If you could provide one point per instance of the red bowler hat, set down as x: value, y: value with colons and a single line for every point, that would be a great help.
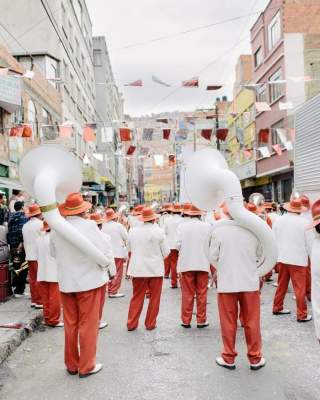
x: 111, y: 214
x: 252, y: 208
x: 148, y: 214
x: 97, y: 218
x: 176, y: 208
x: 295, y: 206
x: 137, y: 210
x: 33, y: 211
x: 315, y: 211
x: 305, y: 201
x: 74, y: 205
x: 193, y: 210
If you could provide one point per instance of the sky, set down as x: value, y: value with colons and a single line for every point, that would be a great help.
x: 131, y: 27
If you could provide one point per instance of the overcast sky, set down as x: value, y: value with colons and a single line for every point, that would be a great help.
x: 209, y: 53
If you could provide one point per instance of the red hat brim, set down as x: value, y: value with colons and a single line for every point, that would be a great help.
x: 65, y: 211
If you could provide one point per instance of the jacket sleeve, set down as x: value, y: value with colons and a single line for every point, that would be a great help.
x: 179, y: 238
x: 165, y: 251
x: 100, y: 240
x: 214, y: 250
x: 53, y: 252
x: 124, y: 235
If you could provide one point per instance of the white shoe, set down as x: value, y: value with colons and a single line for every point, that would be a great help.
x: 282, y: 312
x: 256, y: 367
x: 95, y: 370
x: 116, y: 296
x: 275, y: 284
x: 220, y: 361
x: 294, y: 298
x: 19, y: 296
x: 59, y: 325
x: 103, y: 324
x: 38, y: 306
x: 306, y: 319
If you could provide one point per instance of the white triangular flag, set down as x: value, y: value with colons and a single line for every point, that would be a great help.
x: 288, y: 145
x: 158, y: 160
x: 282, y: 134
x: 264, y: 150
x: 29, y: 74
x: 98, y: 156
x: 262, y: 106
x: 86, y: 159
x: 285, y: 106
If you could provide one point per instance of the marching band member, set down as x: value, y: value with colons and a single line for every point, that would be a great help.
x: 171, y: 229
x: 82, y: 283
x: 315, y: 267
x: 149, y: 248
x: 31, y: 231
x: 99, y: 220
x: 166, y: 214
x: 47, y: 278
x: 119, y: 240
x: 193, y: 242
x: 133, y: 219
x: 307, y: 215
x: 234, y: 251
x: 293, y: 247
x: 184, y: 213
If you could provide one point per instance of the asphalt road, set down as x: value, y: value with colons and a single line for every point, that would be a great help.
x: 170, y: 362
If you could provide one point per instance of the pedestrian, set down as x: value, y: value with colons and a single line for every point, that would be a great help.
x: 193, y: 241
x: 234, y: 250
x: 293, y: 252
x: 47, y: 278
x: 165, y: 215
x: 17, y: 195
x: 4, y: 210
x: 31, y: 231
x: 308, y: 216
x: 133, y: 219
x: 81, y: 283
x: 119, y: 240
x: 171, y: 230
x: 99, y: 220
x: 315, y: 267
x: 149, y: 248
x: 17, y: 253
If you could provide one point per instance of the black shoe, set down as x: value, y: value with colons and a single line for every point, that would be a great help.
x: 306, y: 319
x: 187, y: 326
x: 72, y: 372
x: 203, y: 325
x: 131, y: 329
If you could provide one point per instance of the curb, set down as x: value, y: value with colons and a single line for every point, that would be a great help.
x: 19, y: 335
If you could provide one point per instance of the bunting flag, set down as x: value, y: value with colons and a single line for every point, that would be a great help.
x: 206, y: 134
x: 158, y: 160
x: 86, y: 159
x: 4, y: 71
x: 125, y: 134
x: 222, y: 133
x: 265, y: 152
x: 277, y: 149
x: 247, y: 153
x: 137, y: 83
x: 214, y: 87
x: 264, y: 135
x: 285, y: 106
x: 288, y: 145
x: 98, y: 156
x: 27, y: 131
x: 65, y: 131
x: 88, y: 134
x: 159, y: 81
x: 166, y: 134
x: 282, y: 134
x: 16, y: 131
x: 131, y: 150
x: 29, y: 74
x: 172, y: 159
x: 262, y: 106
x: 147, y: 134
x: 193, y: 82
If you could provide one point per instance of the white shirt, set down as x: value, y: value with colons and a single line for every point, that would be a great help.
x: 31, y: 231
x: 171, y: 230
x: 47, y: 265
x: 315, y: 282
x: 76, y: 271
x: 119, y: 238
x: 162, y: 220
x: 273, y: 217
x: 133, y: 221
x: 148, y: 248
x: 234, y: 251
x: 292, y: 240
x: 193, y: 241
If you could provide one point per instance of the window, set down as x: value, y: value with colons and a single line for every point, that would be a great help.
x: 258, y: 57
x: 274, y: 136
x: 276, y: 90
x: 70, y: 36
x: 262, y: 94
x: 64, y: 20
x: 72, y: 84
x: 97, y: 58
x: 65, y: 72
x: 274, y: 31
x: 77, y: 51
x: 78, y: 11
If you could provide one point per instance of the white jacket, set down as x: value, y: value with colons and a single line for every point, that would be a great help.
x: 315, y: 282
x: 148, y: 248
x: 292, y: 239
x: 234, y: 251
x: 119, y: 238
x: 193, y: 241
x: 47, y: 265
x: 171, y: 230
x: 133, y: 221
x: 76, y: 271
x: 31, y: 231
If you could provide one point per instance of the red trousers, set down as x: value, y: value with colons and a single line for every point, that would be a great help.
x: 308, y: 283
x: 194, y: 283
x: 81, y: 313
x: 34, y: 285
x: 167, y: 267
x: 103, y: 290
x: 228, y: 304
x: 115, y: 284
x: 140, y: 286
x: 51, y: 301
x: 298, y: 277
x: 173, y: 260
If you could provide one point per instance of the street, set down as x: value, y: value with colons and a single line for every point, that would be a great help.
x: 170, y: 362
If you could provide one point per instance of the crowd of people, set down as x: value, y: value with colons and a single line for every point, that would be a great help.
x: 194, y: 249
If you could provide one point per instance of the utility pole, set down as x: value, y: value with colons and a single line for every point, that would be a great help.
x: 217, y: 125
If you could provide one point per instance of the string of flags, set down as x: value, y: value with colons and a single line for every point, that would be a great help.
x: 189, y: 83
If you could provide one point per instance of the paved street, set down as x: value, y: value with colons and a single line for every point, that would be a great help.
x: 169, y: 363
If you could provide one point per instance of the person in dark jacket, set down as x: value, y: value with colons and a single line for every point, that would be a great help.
x: 4, y: 210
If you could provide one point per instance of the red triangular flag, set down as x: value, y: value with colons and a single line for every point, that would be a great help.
x: 27, y: 131
x: 193, y: 82
x: 88, y: 134
x: 137, y: 83
x: 65, y: 131
x: 16, y: 131
x: 172, y: 159
x: 131, y: 150
x: 247, y: 153
x: 277, y: 149
x: 222, y: 133
x: 166, y: 134
x: 264, y: 135
x: 125, y: 134
x: 206, y: 133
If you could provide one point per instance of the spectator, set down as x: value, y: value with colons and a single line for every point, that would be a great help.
x: 4, y: 211
x: 17, y: 195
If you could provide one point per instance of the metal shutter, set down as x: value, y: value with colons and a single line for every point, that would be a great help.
x: 307, y: 147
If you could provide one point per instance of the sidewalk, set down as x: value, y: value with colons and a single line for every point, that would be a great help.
x: 16, y: 311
